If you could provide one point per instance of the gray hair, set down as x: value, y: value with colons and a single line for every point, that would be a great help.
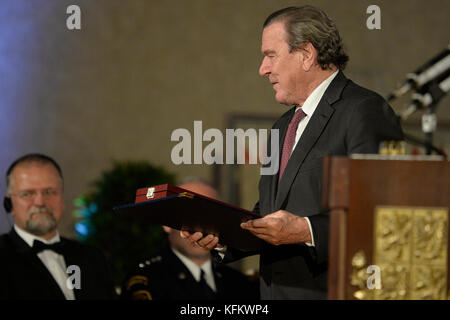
x: 38, y: 158
x: 309, y: 24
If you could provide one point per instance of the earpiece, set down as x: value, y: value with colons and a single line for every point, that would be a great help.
x: 7, y: 204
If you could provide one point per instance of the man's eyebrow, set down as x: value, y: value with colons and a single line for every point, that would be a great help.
x: 267, y: 52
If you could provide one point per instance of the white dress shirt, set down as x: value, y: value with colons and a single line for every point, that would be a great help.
x: 196, y: 270
x: 309, y: 106
x: 53, y: 261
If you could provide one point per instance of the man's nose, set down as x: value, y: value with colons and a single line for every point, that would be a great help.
x: 264, y: 69
x: 39, y: 199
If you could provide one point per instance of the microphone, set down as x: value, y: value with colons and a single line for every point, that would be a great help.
x: 432, y: 69
x: 419, y: 102
x: 431, y: 94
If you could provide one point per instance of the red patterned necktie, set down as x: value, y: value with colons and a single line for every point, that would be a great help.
x: 289, y: 140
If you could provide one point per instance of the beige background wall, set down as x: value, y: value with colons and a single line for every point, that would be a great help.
x: 139, y: 69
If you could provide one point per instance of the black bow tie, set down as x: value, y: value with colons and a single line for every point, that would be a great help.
x: 39, y: 246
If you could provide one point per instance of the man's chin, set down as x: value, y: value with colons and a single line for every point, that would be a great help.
x: 282, y: 100
x: 41, y: 225
x: 199, y: 255
x: 194, y: 252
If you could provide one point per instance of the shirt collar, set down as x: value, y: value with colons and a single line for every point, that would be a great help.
x: 193, y: 268
x: 29, y: 238
x: 310, y: 104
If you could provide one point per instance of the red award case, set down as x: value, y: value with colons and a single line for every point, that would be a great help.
x: 157, y: 192
x: 182, y: 209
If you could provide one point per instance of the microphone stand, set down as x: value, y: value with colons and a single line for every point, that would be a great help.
x: 431, y: 83
x: 429, y: 99
x: 429, y: 119
x: 427, y: 145
x: 423, y: 75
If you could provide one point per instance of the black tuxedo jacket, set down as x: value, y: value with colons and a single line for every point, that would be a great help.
x: 348, y: 119
x: 24, y: 276
x: 166, y: 277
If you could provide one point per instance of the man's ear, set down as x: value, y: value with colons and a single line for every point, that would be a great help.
x: 308, y: 56
x: 167, y: 229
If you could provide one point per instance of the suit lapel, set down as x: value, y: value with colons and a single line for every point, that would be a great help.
x: 312, y: 132
x: 72, y: 256
x: 219, y: 281
x: 36, y: 263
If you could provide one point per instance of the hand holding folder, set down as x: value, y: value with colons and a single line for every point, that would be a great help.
x: 207, y: 241
x: 182, y: 209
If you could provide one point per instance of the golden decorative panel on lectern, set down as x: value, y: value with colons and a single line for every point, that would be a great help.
x: 411, y: 251
x: 389, y: 227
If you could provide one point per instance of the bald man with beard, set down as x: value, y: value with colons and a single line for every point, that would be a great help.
x: 36, y: 262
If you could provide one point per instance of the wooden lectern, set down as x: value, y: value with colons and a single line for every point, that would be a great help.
x: 389, y: 227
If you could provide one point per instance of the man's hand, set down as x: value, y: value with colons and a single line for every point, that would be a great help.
x: 208, y: 242
x: 281, y: 227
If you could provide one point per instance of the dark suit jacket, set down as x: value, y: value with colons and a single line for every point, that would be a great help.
x: 165, y: 277
x: 348, y: 119
x: 24, y: 276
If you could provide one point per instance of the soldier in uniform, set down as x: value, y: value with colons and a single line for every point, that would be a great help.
x: 185, y: 271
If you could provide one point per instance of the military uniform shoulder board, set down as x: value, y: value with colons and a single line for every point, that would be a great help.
x: 141, y: 295
x: 136, y: 280
x: 137, y: 285
x: 137, y: 288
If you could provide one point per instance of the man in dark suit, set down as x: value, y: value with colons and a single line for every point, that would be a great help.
x: 36, y: 263
x: 303, y: 58
x: 184, y: 271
